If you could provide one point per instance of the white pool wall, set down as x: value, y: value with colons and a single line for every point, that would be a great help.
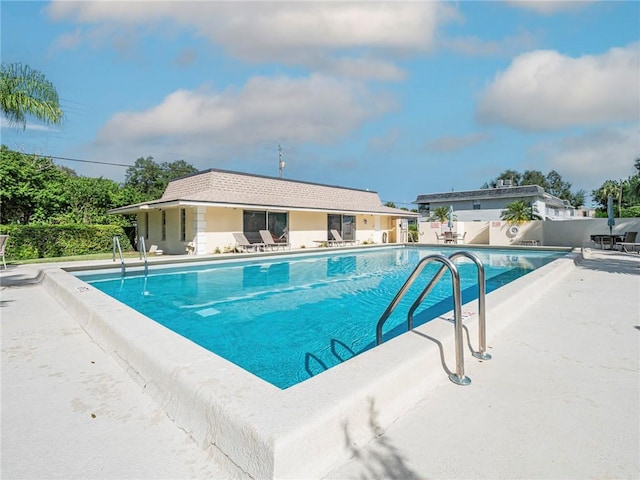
x: 258, y: 431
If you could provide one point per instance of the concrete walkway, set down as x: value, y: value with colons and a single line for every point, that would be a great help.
x: 69, y: 410
x: 560, y: 398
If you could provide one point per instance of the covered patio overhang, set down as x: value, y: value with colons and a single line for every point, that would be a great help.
x: 150, y: 206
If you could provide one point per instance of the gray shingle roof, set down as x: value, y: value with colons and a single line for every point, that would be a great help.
x: 485, y: 193
x: 505, y: 192
x: 227, y: 187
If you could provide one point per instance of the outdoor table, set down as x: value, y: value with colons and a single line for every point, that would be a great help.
x: 611, y: 240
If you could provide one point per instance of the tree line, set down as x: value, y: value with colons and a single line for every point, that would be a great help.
x: 34, y: 190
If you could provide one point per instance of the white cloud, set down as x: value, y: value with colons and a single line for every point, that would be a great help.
x: 68, y: 40
x: 4, y: 123
x: 455, y: 143
x: 478, y: 47
x: 294, y: 33
x: 364, y: 69
x: 311, y: 109
x: 544, y: 90
x: 387, y: 142
x: 549, y: 7
x: 587, y: 160
x: 187, y: 56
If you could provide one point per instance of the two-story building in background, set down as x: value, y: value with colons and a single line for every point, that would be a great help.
x: 487, y: 204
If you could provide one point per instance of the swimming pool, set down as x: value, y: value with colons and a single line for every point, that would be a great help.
x: 289, y: 318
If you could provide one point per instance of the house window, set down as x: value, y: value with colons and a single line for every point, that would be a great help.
x: 255, y: 220
x: 146, y: 225
x: 183, y: 224
x: 164, y: 225
x: 476, y: 204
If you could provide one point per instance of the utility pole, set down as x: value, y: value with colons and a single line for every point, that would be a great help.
x: 281, y: 163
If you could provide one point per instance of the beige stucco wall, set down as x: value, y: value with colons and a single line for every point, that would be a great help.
x: 220, y: 225
x: 472, y: 232
x: 366, y: 229
x: 476, y: 233
x: 172, y: 244
x: 306, y: 229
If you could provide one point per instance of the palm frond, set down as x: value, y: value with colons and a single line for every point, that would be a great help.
x: 25, y: 91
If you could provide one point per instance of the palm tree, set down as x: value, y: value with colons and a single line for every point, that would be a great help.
x: 518, y: 212
x: 613, y: 189
x: 440, y: 214
x: 24, y: 91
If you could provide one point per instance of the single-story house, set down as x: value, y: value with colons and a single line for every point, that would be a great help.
x: 487, y: 204
x: 200, y: 212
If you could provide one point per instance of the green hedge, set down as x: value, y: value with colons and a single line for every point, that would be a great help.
x: 46, y: 241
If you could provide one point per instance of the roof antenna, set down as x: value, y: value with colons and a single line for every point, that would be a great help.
x: 281, y: 163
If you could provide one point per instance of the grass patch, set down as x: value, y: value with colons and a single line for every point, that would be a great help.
x: 74, y: 258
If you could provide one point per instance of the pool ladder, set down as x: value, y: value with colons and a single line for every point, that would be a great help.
x: 118, y: 248
x: 142, y: 250
x: 458, y: 377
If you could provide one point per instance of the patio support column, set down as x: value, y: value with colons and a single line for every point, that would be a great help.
x: 199, y: 230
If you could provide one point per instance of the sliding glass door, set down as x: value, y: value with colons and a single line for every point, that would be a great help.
x: 349, y: 227
x: 344, y: 224
x: 255, y: 220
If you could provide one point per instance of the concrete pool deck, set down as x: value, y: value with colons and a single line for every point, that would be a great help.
x: 560, y: 398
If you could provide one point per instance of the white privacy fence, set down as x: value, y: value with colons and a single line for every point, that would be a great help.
x: 564, y: 233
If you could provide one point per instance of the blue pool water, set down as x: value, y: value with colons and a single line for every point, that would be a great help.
x: 286, y: 319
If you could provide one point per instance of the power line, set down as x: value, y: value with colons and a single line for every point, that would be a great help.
x: 79, y: 160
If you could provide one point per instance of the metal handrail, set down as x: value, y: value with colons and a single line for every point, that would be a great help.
x: 482, y: 293
x: 482, y: 333
x: 116, y: 244
x: 458, y: 377
x: 142, y: 250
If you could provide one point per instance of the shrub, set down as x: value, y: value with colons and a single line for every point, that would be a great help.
x: 46, y: 241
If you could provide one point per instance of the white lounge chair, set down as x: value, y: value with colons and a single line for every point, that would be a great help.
x: 154, y: 250
x: 3, y: 244
x: 245, y: 245
x: 338, y: 240
x: 629, y: 242
x: 268, y: 241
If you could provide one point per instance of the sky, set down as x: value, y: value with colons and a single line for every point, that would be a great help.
x: 400, y: 97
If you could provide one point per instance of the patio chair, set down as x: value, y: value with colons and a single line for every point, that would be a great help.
x: 439, y: 237
x: 245, y: 245
x: 154, y: 250
x: 3, y: 244
x: 268, y: 241
x: 629, y: 241
x: 338, y: 240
